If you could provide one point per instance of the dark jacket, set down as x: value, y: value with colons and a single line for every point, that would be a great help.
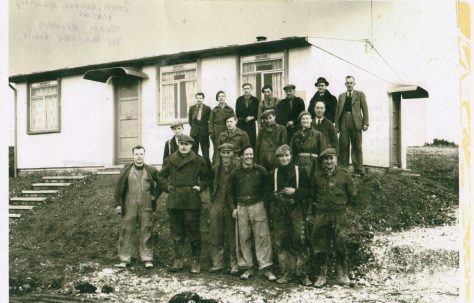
x: 307, y: 141
x: 284, y: 114
x: 286, y: 177
x: 331, y: 194
x: 180, y: 174
x: 199, y: 128
x: 216, y: 120
x: 216, y: 168
x: 269, y: 139
x: 242, y: 112
x: 329, y: 132
x: 121, y: 187
x: 239, y: 139
x: 247, y: 186
x: 360, y: 112
x: 330, y: 103
x: 170, y: 147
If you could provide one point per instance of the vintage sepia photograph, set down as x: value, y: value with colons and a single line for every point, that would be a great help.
x: 237, y: 151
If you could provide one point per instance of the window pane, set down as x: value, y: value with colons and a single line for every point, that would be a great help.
x: 51, y: 110
x: 188, y: 89
x: 44, y: 106
x: 37, y: 114
x: 262, y: 66
x: 168, y: 101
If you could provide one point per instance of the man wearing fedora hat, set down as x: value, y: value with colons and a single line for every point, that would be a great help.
x: 269, y: 138
x: 172, y: 144
x: 288, y: 110
x: 332, y: 191
x: 323, y: 94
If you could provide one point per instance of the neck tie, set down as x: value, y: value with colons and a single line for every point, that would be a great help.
x: 198, y: 113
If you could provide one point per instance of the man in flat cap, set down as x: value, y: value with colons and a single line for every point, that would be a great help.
x: 333, y: 191
x: 172, y: 144
x: 221, y: 223
x: 352, y: 117
x: 290, y: 186
x: 135, y: 197
x: 246, y: 110
x: 323, y: 94
x: 185, y: 175
x: 247, y: 192
x: 288, y: 110
x: 198, y: 119
x: 233, y: 135
x: 269, y: 138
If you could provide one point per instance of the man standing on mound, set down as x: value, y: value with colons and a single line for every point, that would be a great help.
x: 135, y: 199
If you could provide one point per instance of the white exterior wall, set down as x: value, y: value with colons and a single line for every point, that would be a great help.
x: 86, y: 136
x: 299, y: 73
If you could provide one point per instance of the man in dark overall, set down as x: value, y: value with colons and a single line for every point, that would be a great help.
x: 221, y: 223
x: 185, y: 176
x: 246, y: 110
x: 270, y: 137
x: 288, y: 110
x: 323, y: 95
x: 172, y: 144
x: 136, y: 192
x: 333, y: 191
x: 199, y: 121
x: 290, y: 187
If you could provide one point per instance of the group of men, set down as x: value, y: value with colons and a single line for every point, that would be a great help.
x: 252, y: 179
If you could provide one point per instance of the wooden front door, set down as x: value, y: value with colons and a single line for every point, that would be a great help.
x: 395, y: 132
x: 127, y: 117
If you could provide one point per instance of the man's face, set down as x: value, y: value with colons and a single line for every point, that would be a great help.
x: 285, y: 158
x: 178, y: 130
x: 290, y: 93
x: 306, y: 121
x: 267, y: 93
x: 199, y: 99
x: 350, y: 82
x: 138, y: 156
x: 221, y: 98
x: 269, y: 119
x: 321, y: 87
x: 230, y: 123
x: 226, y: 155
x: 184, y: 147
x: 247, y: 90
x: 319, y: 109
x: 330, y: 162
x: 247, y: 156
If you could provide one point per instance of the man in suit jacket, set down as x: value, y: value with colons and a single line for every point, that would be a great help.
x: 288, y: 110
x: 330, y: 101
x: 246, y: 109
x: 352, y: 117
x: 172, y: 144
x: 199, y: 121
x: 324, y: 125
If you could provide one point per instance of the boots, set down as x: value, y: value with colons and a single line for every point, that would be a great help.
x: 321, y: 281
x: 178, y: 256
x: 196, y: 252
x: 342, y: 277
x: 195, y: 266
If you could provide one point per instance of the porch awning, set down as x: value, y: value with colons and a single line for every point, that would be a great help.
x: 409, y: 91
x: 104, y: 74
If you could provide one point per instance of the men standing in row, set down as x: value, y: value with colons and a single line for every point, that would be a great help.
x: 324, y: 125
x: 323, y: 94
x: 288, y: 110
x: 221, y: 223
x: 172, y: 144
x: 270, y: 137
x: 185, y: 176
x: 247, y: 184
x: 246, y: 109
x: 135, y: 196
x: 333, y: 191
x: 199, y: 121
x: 233, y: 135
x: 352, y: 117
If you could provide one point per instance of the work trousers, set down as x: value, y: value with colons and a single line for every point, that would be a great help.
x: 350, y: 140
x: 185, y: 224
x: 288, y: 226
x: 138, y: 213
x: 252, y: 220
x: 221, y: 234
x: 203, y: 141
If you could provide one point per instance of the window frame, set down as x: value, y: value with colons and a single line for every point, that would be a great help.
x: 178, y: 67
x: 28, y: 110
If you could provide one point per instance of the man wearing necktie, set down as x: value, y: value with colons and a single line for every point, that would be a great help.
x: 352, y: 117
x: 199, y: 121
x: 324, y: 125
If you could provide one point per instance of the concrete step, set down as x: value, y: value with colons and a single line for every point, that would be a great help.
x: 27, y: 200
x: 50, y: 185
x: 39, y: 193
x: 14, y: 216
x: 19, y: 208
x: 109, y: 172
x: 62, y: 179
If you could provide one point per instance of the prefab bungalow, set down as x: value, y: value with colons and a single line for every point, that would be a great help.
x: 89, y: 117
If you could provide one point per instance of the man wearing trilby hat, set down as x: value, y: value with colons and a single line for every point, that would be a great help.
x: 329, y: 100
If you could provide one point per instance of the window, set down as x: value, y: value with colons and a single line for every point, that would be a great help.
x: 264, y: 69
x: 43, y: 109
x: 178, y: 86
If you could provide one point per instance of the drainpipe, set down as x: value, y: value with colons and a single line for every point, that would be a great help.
x: 15, y: 174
